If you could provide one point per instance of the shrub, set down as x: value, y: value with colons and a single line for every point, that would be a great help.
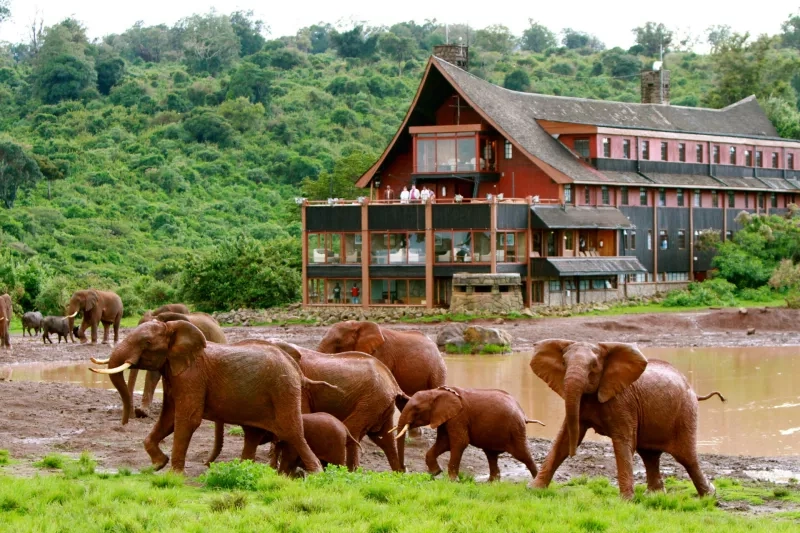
x: 233, y: 475
x: 228, y: 502
x: 761, y: 294
x: 167, y: 481
x: 209, y: 127
x: 716, y: 292
x: 52, y: 460
x: 4, y: 457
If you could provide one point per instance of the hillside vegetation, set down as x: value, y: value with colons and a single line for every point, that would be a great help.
x: 163, y: 162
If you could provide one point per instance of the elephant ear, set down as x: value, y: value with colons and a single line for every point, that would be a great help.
x: 624, y: 363
x: 289, y: 349
x: 548, y: 362
x: 186, y: 343
x: 91, y: 300
x: 446, y: 405
x: 368, y: 337
x: 169, y: 316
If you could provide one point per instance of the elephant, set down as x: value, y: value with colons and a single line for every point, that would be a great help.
x: 365, y: 404
x: 32, y: 320
x: 412, y: 358
x: 97, y: 306
x: 489, y: 419
x: 168, y: 308
x: 259, y: 388
x: 58, y: 325
x: 6, y: 313
x: 205, y: 323
x: 644, y: 406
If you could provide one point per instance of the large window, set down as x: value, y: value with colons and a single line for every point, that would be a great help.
x: 697, y: 198
x: 642, y: 196
x: 511, y: 247
x: 682, y: 152
x: 447, y: 152
x: 663, y: 239
x: 568, y: 194
x: 606, y: 147
x: 664, y: 151
x: 582, y: 148
x: 748, y: 158
x: 790, y: 161
x: 623, y: 195
x: 680, y: 197
x: 662, y: 197
x: 715, y: 149
x: 334, y: 248
x: 733, y: 155
x: 731, y: 199
x: 462, y: 247
x: 626, y: 149
x: 397, y: 291
x: 698, y: 151
x: 759, y: 158
x: 397, y: 248
x: 714, y: 199
x: 335, y: 291
x: 604, y: 193
x: 775, y: 163
x: 773, y: 199
x: 645, y: 150
x: 681, y: 239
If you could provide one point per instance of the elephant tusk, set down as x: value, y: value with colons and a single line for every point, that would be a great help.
x: 73, y: 315
x: 403, y: 432
x: 120, y: 368
x: 392, y: 430
x: 530, y: 421
x: 100, y: 361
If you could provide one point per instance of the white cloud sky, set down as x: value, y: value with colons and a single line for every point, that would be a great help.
x: 611, y: 21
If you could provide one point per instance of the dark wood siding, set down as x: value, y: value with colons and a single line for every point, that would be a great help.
x: 334, y: 271
x: 449, y: 270
x: 464, y: 216
x: 512, y: 216
x: 333, y: 218
x: 396, y: 271
x: 511, y: 268
x: 673, y: 259
x: 642, y: 218
x: 397, y: 217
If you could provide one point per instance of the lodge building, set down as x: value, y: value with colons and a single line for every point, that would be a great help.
x: 586, y: 200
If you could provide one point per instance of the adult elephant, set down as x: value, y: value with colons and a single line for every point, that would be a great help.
x: 96, y: 306
x: 259, y: 388
x: 168, y: 308
x: 365, y: 400
x: 645, y: 406
x: 412, y: 358
x: 5, y: 321
x: 207, y: 326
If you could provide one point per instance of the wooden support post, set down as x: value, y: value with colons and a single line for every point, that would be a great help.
x: 529, y: 234
x: 304, y: 262
x: 654, y: 240
x: 691, y: 241
x: 493, y: 233
x: 366, y: 293
x: 429, y: 255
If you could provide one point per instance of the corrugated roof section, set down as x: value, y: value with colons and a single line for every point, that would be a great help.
x: 593, y: 266
x: 546, y: 217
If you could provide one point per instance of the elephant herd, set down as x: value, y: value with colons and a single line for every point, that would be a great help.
x: 317, y: 405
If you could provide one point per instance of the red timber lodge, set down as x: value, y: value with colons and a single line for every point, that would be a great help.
x: 585, y: 200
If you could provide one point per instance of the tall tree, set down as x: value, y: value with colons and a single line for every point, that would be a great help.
x: 62, y: 69
x: 398, y: 48
x: 652, y: 37
x: 357, y: 42
x: 791, y: 32
x: 495, y: 38
x: 17, y: 170
x: 717, y: 36
x: 574, y: 39
x: 250, y: 32
x: 5, y: 10
x: 209, y: 43
x: 537, y: 38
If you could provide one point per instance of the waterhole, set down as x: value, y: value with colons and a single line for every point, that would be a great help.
x: 761, y: 417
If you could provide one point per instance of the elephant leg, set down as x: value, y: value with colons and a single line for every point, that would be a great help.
x: 82, y: 330
x: 94, y: 332
x: 386, y: 442
x: 116, y: 330
x: 187, y: 420
x: 441, y: 445
x: 652, y: 465
x: 558, y: 452
x: 151, y: 379
x: 132, y: 375
x: 519, y: 450
x: 689, y: 461
x: 494, y: 470
x: 163, y: 428
x: 457, y: 446
x: 252, y: 438
x: 623, y: 453
x: 106, y: 331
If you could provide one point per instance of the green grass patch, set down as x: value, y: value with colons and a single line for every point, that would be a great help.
x: 54, y: 461
x: 5, y: 458
x: 471, y: 349
x: 243, y: 496
x: 235, y: 431
x: 168, y: 480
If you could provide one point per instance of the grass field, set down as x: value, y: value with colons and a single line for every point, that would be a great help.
x: 70, y: 496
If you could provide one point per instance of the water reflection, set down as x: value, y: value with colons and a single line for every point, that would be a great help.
x: 762, y: 416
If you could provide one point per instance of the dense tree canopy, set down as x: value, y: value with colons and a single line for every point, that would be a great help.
x: 537, y: 38
x: 17, y: 170
x: 653, y: 38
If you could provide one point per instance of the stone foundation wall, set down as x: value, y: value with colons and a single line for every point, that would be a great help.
x: 490, y: 293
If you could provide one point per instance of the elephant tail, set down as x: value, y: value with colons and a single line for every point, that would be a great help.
x: 709, y: 395
x: 400, y: 400
x: 219, y: 437
x: 532, y: 421
x: 311, y: 385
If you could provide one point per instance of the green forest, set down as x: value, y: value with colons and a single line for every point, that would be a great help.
x: 163, y: 162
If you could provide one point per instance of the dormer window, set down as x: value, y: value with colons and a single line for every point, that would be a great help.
x: 439, y: 151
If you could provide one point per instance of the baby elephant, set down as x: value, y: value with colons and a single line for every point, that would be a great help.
x: 32, y: 320
x: 58, y: 325
x: 489, y: 419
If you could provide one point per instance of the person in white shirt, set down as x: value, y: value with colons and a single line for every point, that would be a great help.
x: 414, y: 192
x: 404, y: 195
x: 424, y: 194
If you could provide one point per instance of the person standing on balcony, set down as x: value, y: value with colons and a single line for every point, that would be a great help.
x: 337, y: 294
x: 388, y: 194
x: 354, y: 292
x: 414, y: 194
x: 424, y: 194
x: 404, y: 195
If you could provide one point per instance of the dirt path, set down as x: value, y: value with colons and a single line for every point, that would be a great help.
x: 40, y: 418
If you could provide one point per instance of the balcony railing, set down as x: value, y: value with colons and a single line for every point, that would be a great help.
x: 494, y: 199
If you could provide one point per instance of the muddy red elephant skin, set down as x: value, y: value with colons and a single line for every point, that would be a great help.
x: 97, y: 307
x: 365, y: 400
x: 168, y: 308
x: 412, y: 357
x: 489, y: 419
x: 226, y: 384
x: 5, y: 321
x: 645, y: 406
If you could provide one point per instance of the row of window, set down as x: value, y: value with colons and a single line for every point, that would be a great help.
x: 456, y: 152
x: 629, y: 239
x: 697, y: 197
x: 398, y: 248
x: 647, y: 277
x: 583, y: 284
x: 381, y: 291
x: 582, y: 147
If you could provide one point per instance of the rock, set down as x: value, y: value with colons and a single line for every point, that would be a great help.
x: 527, y: 312
x: 742, y: 311
x: 751, y: 331
x: 452, y: 333
x: 499, y: 321
x: 483, y: 335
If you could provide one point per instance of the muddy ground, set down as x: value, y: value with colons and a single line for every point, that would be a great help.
x: 40, y: 418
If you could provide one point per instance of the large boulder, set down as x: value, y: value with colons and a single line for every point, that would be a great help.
x: 481, y: 335
x: 452, y: 333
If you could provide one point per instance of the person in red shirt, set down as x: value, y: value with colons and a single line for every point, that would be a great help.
x: 354, y: 292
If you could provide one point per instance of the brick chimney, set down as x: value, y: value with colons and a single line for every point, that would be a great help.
x: 455, y: 54
x: 655, y: 86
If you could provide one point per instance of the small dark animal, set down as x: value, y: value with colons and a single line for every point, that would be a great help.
x: 32, y: 320
x: 58, y: 325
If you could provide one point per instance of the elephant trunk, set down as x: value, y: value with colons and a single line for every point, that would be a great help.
x: 119, y: 359
x: 127, y: 406
x: 573, y: 391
